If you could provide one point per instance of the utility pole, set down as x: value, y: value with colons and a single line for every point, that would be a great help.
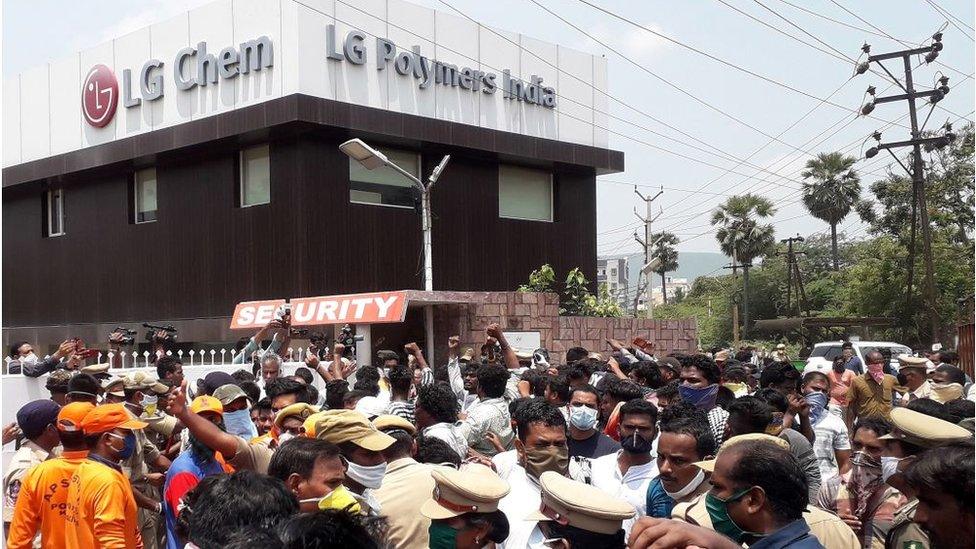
x: 793, y: 270
x: 735, y: 299
x: 647, y: 244
x: 931, y: 52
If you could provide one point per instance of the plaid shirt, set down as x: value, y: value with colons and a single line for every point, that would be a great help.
x: 879, y: 515
x: 484, y: 416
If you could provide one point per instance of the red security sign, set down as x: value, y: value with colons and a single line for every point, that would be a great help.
x: 99, y: 96
x: 371, y: 308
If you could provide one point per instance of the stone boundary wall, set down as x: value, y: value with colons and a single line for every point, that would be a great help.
x: 539, y: 312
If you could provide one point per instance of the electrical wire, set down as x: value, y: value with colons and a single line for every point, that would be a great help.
x: 950, y: 19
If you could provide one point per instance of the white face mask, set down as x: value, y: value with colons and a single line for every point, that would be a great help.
x: 889, y: 467
x: 583, y: 417
x: 29, y: 358
x: 689, y: 488
x: 369, y: 476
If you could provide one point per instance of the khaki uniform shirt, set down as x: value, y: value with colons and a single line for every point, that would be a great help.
x: 27, y: 456
x: 904, y: 533
x: 252, y: 456
x: 868, y: 398
x: 406, y: 486
x: 829, y: 530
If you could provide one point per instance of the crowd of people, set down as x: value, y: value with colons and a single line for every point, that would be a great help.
x: 624, y: 446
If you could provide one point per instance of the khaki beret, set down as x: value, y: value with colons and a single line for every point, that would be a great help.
x: 923, y: 430
x: 229, y: 393
x: 300, y: 410
x: 467, y: 355
x: 138, y: 381
x: 338, y: 426
x: 474, y: 489
x: 709, y: 465
x: 114, y: 386
x: 390, y: 421
x: 95, y: 369
x: 722, y: 355
x: 909, y: 361
x: 573, y: 503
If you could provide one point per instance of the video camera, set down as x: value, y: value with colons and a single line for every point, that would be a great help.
x: 153, y: 328
x: 128, y: 336
x: 347, y: 338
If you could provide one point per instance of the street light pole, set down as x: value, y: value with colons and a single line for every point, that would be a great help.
x: 371, y: 159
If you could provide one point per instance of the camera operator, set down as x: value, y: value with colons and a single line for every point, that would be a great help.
x: 278, y: 329
x: 68, y: 356
x: 162, y: 339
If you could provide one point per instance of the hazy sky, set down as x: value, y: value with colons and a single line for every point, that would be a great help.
x: 38, y: 31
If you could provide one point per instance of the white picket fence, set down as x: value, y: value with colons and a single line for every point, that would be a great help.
x: 212, y: 357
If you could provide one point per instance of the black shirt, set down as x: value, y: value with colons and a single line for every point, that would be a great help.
x: 596, y: 446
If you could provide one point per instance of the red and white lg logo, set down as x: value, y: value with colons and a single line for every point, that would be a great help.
x: 100, y: 96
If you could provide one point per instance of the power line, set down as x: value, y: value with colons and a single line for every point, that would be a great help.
x: 949, y: 18
x: 696, y: 50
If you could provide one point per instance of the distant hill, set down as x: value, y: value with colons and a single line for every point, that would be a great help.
x: 691, y: 265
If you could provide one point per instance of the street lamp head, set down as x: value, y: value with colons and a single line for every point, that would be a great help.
x: 359, y: 151
x: 871, y: 153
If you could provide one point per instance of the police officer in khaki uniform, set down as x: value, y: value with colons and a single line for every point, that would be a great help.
x: 36, y: 420
x: 463, y: 508
x: 912, y: 433
x: 146, y: 467
x: 578, y: 515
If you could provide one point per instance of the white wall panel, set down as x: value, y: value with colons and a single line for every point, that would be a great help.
x: 575, y: 100
x: 101, y: 54
x: 457, y: 42
x: 312, y: 77
x: 214, y: 24
x: 253, y: 19
x: 499, y: 50
x: 51, y: 96
x: 168, y: 38
x: 360, y: 84
x: 601, y: 103
x: 11, y: 121
x: 541, y: 59
x: 131, y: 52
x: 65, y: 101
x: 410, y: 25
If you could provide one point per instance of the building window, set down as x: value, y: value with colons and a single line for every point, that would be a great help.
x: 255, y: 176
x: 54, y: 205
x: 384, y: 185
x: 144, y: 195
x: 524, y: 193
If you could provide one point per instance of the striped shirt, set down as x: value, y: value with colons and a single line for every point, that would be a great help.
x: 402, y: 409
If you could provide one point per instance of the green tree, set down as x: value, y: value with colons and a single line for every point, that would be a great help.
x: 540, y: 280
x: 832, y: 188
x: 603, y: 304
x: 575, y: 294
x: 664, y: 243
x: 742, y: 236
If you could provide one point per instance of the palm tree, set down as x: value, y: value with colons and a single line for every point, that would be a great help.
x: 664, y: 243
x: 832, y: 192
x: 742, y: 237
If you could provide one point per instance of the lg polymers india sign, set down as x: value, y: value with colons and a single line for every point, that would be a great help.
x: 203, y: 66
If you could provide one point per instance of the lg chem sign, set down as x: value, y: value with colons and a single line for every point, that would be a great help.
x: 191, y: 67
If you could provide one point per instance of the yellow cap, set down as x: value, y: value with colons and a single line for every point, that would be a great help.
x: 389, y: 422
x: 300, y: 410
x: 573, y: 503
x: 338, y: 426
x: 474, y: 489
x: 709, y: 465
x: 923, y: 430
x: 206, y: 403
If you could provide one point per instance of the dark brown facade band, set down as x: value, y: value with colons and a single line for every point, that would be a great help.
x: 304, y: 109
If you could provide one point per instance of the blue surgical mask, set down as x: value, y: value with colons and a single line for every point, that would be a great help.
x: 129, y: 446
x: 239, y: 424
x: 702, y: 398
x: 582, y: 417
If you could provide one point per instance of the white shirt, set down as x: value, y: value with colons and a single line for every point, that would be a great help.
x: 630, y: 487
x: 829, y: 435
x: 504, y: 462
x: 523, y: 498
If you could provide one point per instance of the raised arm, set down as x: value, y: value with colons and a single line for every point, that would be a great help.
x: 495, y: 331
x: 201, y: 429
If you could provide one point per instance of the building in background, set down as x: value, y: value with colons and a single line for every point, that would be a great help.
x: 676, y: 286
x: 613, y: 271
x: 168, y: 174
